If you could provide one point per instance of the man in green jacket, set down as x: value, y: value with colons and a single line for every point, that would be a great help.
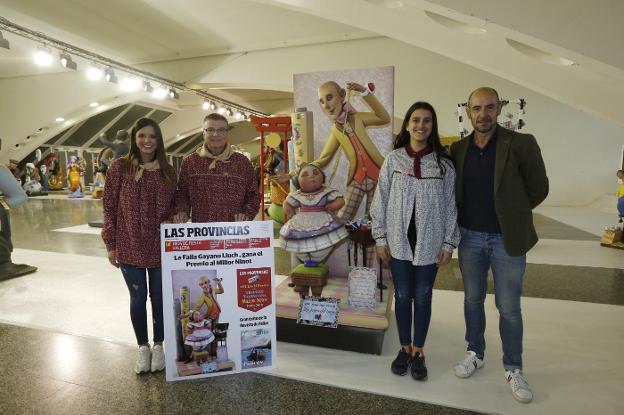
x: 501, y: 178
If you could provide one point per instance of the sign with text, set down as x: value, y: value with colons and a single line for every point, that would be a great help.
x: 218, y: 298
x: 319, y: 311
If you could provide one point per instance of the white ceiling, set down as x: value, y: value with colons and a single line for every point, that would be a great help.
x: 516, y: 40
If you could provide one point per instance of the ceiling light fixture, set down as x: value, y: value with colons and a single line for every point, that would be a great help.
x: 147, y: 87
x: 453, y: 24
x: 43, y: 56
x: 229, y: 112
x: 59, y: 119
x: 109, y: 75
x: 130, y: 84
x: 95, y: 73
x: 67, y: 61
x: 206, y: 105
x: 541, y: 55
x: 67, y: 52
x: 93, y: 104
x: 159, y: 93
x: 4, y: 43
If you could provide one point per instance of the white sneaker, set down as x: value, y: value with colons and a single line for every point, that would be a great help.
x: 519, y: 386
x: 144, y: 356
x: 158, y: 358
x: 469, y: 365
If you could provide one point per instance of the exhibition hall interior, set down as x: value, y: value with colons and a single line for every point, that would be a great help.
x: 75, y: 77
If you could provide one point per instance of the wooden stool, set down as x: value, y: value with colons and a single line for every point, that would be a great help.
x: 309, y: 278
x: 201, y: 356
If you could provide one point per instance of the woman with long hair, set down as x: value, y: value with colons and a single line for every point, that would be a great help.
x: 138, y: 197
x: 415, y: 228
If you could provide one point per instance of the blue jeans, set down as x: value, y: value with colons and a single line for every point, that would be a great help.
x: 620, y: 206
x: 412, y: 285
x: 478, y: 252
x: 138, y: 289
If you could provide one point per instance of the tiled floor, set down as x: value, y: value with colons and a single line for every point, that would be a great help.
x: 572, y: 308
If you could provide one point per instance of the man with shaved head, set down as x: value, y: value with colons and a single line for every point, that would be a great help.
x: 501, y: 178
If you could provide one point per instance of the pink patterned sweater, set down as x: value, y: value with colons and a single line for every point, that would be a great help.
x: 217, y: 195
x: 133, y: 212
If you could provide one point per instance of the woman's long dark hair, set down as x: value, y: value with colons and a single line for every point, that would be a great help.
x: 433, y: 141
x: 166, y: 171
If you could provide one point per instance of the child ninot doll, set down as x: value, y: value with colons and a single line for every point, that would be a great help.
x: 312, y: 230
x: 200, y: 335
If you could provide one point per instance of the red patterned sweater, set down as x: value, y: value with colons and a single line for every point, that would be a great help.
x: 133, y: 212
x: 216, y: 195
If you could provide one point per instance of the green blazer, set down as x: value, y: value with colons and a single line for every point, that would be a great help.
x: 520, y: 184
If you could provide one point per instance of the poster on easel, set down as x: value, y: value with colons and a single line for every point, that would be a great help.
x: 218, y: 298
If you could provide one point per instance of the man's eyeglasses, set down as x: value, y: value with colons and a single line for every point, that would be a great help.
x: 219, y: 131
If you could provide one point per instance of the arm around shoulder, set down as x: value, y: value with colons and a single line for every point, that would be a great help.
x: 110, y: 205
x: 252, y: 193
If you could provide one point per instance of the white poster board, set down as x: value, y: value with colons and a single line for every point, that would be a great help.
x: 218, y: 298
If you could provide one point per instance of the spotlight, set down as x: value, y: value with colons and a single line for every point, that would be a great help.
x: 147, y: 87
x: 159, y: 93
x: 59, y: 119
x: 67, y: 61
x: 206, y: 105
x: 109, y: 75
x: 229, y: 112
x: 43, y: 56
x: 240, y: 115
x: 93, y: 104
x: 213, y: 105
x: 95, y: 73
x: 17, y: 146
x: 3, y: 42
x: 221, y: 110
x: 130, y: 84
x: 173, y: 94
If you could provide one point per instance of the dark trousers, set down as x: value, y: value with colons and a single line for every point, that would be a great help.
x: 6, y: 247
x: 138, y: 287
x: 413, y: 287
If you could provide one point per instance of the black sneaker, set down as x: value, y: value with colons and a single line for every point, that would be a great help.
x: 401, y: 363
x: 418, y: 369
